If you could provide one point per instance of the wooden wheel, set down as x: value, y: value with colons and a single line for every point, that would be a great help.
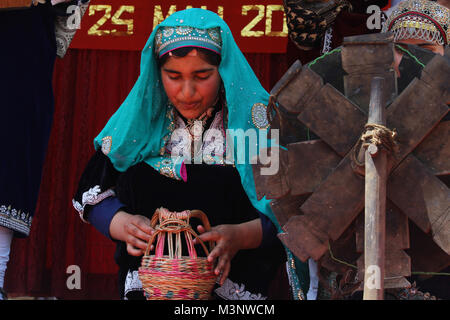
x: 318, y: 193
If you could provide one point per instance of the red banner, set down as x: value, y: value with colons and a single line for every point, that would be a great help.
x: 257, y: 25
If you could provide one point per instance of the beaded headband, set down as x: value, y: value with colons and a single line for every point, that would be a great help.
x: 420, y: 19
x: 171, y: 38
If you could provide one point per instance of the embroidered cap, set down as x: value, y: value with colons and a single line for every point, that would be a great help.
x: 171, y: 38
x: 420, y: 19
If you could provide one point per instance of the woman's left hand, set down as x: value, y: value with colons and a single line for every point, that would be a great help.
x: 230, y: 238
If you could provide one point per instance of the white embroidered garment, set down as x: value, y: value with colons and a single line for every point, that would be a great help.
x: 91, y: 197
x: 67, y: 26
x: 234, y: 291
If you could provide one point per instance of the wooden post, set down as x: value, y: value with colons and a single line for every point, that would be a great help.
x: 375, y: 202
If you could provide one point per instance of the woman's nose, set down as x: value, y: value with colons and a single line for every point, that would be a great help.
x: 188, y: 89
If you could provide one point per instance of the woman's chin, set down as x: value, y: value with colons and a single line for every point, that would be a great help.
x: 189, y: 114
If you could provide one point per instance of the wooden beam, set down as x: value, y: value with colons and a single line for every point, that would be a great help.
x: 272, y: 184
x: 334, y: 118
x: 436, y: 74
x: 327, y: 213
x: 286, y: 207
x: 310, y: 163
x: 297, y: 86
x: 426, y: 256
x: 413, y: 115
x: 375, y: 54
x: 375, y: 201
x: 397, y: 263
x: 434, y: 151
x: 423, y: 198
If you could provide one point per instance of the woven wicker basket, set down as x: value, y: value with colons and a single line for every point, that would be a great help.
x: 173, y: 276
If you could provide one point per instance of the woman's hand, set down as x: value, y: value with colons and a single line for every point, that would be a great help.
x: 230, y: 238
x: 134, y: 230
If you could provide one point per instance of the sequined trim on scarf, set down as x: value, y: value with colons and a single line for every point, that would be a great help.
x: 167, y: 168
x: 259, y: 116
x: 106, y: 145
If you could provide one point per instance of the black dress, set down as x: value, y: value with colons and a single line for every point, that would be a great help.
x: 214, y: 189
x: 27, y: 55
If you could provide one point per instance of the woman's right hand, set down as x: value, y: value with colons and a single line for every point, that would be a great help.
x: 134, y: 230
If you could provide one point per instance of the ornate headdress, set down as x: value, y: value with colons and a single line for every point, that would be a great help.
x: 420, y: 19
x: 170, y: 38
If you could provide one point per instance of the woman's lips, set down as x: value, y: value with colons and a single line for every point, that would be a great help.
x: 189, y: 106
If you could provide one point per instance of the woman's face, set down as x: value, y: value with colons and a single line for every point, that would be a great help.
x: 191, y: 84
x: 436, y: 48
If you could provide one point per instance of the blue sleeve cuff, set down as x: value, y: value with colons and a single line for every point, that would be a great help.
x: 269, y: 231
x: 102, y: 213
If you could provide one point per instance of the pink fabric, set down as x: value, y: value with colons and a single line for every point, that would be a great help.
x: 180, y: 275
x: 160, y: 245
x: 190, y: 245
x: 183, y: 172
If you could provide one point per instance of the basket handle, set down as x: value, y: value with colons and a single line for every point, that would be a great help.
x: 192, y: 214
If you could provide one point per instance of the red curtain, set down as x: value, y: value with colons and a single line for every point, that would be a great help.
x: 89, y: 85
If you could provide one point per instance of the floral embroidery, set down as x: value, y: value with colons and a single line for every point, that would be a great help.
x: 16, y: 220
x: 233, y: 291
x: 132, y: 283
x: 91, y: 197
x: 183, y: 30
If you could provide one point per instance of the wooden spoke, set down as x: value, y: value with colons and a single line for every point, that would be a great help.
x: 414, y: 114
x: 334, y: 118
x: 299, y: 90
x: 286, y: 207
x: 434, y: 151
x: 310, y: 162
x: 375, y: 58
x: 423, y: 198
x: 270, y: 174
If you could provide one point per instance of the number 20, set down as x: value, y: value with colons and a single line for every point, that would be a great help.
x: 248, y: 31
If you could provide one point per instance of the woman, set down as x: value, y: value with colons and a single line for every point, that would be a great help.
x: 421, y: 23
x: 165, y: 147
x: 31, y: 39
x: 319, y: 26
x: 420, y: 27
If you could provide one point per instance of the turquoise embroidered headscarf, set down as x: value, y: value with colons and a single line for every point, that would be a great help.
x: 140, y: 128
